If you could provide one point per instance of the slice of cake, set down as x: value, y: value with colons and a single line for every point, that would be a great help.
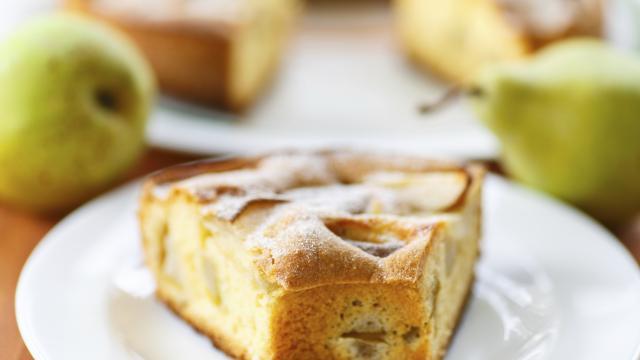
x: 328, y: 255
x: 217, y: 52
x: 456, y: 38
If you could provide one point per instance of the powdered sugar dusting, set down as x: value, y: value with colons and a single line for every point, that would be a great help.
x: 286, y: 224
x: 228, y: 207
x: 381, y: 203
x: 313, y: 181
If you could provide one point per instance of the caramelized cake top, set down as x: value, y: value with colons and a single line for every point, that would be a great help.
x: 310, y: 219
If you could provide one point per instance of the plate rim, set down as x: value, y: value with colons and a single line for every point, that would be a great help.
x: 48, y: 241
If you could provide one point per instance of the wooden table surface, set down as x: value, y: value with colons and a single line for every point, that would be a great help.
x: 20, y: 232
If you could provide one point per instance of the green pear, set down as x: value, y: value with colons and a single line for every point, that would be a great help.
x: 569, y: 123
x: 74, y: 100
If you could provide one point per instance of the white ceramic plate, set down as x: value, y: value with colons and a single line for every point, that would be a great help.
x: 344, y: 81
x: 551, y: 284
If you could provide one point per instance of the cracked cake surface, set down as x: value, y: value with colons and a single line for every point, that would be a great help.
x: 305, y: 255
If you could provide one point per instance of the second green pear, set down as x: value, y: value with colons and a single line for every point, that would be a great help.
x: 569, y: 123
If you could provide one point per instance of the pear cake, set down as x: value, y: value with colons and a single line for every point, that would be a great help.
x: 215, y: 52
x: 457, y: 38
x: 316, y: 255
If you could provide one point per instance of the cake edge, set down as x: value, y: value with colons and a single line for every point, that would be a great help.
x: 237, y: 353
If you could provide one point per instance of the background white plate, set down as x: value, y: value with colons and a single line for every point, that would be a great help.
x: 551, y: 284
x: 344, y: 81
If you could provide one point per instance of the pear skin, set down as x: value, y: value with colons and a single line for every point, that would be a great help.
x: 74, y: 100
x: 569, y: 123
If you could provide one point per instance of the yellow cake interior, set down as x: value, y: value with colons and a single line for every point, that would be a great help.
x: 207, y: 278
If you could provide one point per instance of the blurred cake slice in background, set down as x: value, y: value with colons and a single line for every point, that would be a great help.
x: 215, y: 52
x: 456, y: 38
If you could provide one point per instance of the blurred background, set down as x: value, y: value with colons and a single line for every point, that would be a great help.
x: 94, y: 93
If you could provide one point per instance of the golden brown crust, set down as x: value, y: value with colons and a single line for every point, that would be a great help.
x: 296, y: 247
x: 328, y: 320
x: 193, y: 168
x: 328, y: 261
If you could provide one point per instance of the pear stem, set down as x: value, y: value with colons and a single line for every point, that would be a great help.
x: 452, y: 93
x: 475, y: 92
